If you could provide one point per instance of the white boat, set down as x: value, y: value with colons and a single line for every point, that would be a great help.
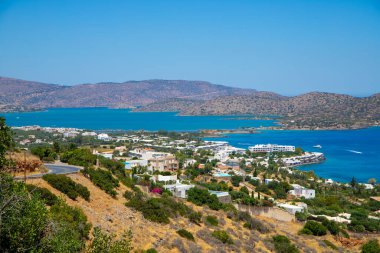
x: 355, y: 152
x: 317, y: 146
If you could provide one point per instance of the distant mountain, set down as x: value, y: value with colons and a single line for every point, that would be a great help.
x: 22, y: 94
x: 311, y: 111
x: 308, y: 111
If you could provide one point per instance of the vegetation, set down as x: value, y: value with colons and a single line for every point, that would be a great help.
x: 203, y: 197
x: 159, y: 209
x: 81, y: 157
x: 6, y: 142
x: 47, y: 196
x: 106, y: 243
x: 314, y: 228
x: 282, y: 244
x: 222, y: 236
x: 186, y: 234
x: 67, y: 186
x: 330, y: 245
x: 212, y: 220
x: 103, y: 179
x: 371, y: 246
x: 45, y: 153
x: 28, y: 226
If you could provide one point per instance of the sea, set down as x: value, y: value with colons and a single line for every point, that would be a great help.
x: 349, y: 153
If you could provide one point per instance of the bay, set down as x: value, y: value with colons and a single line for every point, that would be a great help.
x: 349, y: 153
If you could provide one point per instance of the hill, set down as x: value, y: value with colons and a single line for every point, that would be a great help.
x: 311, y: 111
x: 21, y: 95
x: 315, y: 110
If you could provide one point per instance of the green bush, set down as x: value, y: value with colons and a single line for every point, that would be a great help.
x: 47, y: 196
x: 252, y: 223
x: 332, y: 226
x: 103, y: 179
x: 212, y: 220
x: 371, y: 246
x: 28, y: 226
x: 222, y: 236
x: 203, y: 197
x: 283, y: 245
x: 103, y: 242
x: 158, y: 209
x: 315, y: 228
x: 81, y: 157
x: 68, y: 229
x: 195, y: 217
x: 186, y: 234
x: 330, y: 245
x: 67, y: 186
x: 151, y: 251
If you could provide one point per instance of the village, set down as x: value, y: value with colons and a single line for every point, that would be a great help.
x: 264, y: 175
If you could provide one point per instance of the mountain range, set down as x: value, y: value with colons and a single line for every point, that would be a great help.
x: 312, y: 110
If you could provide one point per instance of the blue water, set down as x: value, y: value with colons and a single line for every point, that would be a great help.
x: 340, y: 148
x: 124, y: 119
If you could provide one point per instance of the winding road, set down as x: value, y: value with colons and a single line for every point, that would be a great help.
x: 55, y: 169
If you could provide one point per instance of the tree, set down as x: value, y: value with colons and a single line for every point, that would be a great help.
x: 353, y: 182
x: 6, y: 142
x: 372, y: 181
x: 371, y: 246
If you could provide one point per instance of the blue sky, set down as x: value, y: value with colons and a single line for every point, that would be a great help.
x: 289, y: 47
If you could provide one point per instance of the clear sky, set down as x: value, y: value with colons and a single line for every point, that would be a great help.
x: 289, y: 47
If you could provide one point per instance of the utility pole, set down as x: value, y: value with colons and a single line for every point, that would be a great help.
x: 24, y: 166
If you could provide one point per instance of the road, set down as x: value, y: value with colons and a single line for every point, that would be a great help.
x: 55, y: 169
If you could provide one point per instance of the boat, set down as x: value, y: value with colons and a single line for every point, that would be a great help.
x: 317, y: 146
x: 355, y: 152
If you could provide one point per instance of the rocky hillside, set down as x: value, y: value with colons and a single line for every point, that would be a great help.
x: 23, y: 95
x: 112, y: 215
x: 311, y: 110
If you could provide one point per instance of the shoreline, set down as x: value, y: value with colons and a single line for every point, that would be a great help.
x: 277, y: 119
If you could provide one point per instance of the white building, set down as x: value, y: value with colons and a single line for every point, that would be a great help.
x: 259, y: 148
x: 300, y: 191
x: 89, y: 134
x: 291, y: 208
x: 104, y: 137
x: 179, y: 190
x: 165, y: 179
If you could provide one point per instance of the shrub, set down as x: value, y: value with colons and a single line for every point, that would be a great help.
x: 330, y: 245
x: 315, y: 228
x: 222, y: 236
x: 103, y: 242
x: 371, y: 246
x: 103, y: 179
x: 332, y: 226
x: 186, y: 234
x: 252, y: 223
x: 80, y: 157
x: 47, y: 196
x: 212, y: 220
x: 195, y: 217
x: 67, y: 186
x: 283, y: 245
x: 203, y: 197
x: 158, y: 209
x: 301, y: 216
x: 151, y: 251
x: 68, y: 229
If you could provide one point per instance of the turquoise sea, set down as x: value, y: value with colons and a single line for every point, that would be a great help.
x: 124, y: 119
x: 349, y: 153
